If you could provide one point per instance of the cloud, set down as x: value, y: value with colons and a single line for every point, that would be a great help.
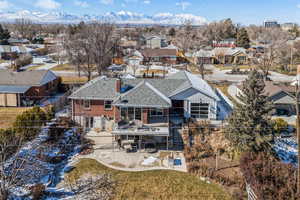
x: 47, y: 4
x: 298, y: 5
x: 83, y: 4
x: 183, y: 4
x: 147, y: 2
x: 4, y: 5
x: 107, y: 2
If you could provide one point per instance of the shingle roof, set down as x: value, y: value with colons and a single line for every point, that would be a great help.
x: 144, y: 95
x: 13, y: 89
x: 150, y: 92
x: 158, y: 52
x: 99, y: 88
x: 26, y: 78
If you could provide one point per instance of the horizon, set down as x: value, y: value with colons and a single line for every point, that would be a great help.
x: 256, y: 13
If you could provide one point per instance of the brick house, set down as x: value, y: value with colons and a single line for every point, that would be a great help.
x: 143, y: 107
x: 163, y: 56
x: 18, y: 89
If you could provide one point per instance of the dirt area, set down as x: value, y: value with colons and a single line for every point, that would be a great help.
x: 73, y: 79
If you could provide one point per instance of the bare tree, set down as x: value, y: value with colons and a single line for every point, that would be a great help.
x: 103, y: 42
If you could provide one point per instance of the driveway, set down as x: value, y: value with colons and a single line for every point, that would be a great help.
x: 220, y: 75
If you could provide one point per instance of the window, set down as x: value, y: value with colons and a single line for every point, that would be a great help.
x: 199, y: 110
x: 108, y: 105
x: 86, y: 104
x: 156, y: 112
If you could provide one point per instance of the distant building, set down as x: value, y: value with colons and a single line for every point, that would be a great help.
x: 271, y: 24
x: 288, y: 26
x: 230, y: 42
x: 154, y: 42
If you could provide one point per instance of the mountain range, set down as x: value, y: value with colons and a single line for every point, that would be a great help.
x: 122, y: 17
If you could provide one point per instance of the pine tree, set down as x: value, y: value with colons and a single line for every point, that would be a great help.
x: 172, y: 32
x: 4, y: 35
x: 243, y: 38
x: 249, y: 127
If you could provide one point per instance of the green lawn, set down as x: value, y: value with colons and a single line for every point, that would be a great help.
x: 158, y: 184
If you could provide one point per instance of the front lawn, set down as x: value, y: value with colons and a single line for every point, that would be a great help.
x: 157, y: 184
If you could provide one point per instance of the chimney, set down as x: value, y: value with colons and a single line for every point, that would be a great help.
x: 118, y: 85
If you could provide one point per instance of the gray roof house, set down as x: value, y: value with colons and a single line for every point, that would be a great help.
x: 144, y: 102
x: 17, y: 87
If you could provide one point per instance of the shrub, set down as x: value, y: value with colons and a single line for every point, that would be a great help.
x: 37, y: 191
x: 268, y: 177
x: 280, y: 125
x: 29, y: 123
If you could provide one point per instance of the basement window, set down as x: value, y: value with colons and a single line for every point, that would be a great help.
x: 108, y: 105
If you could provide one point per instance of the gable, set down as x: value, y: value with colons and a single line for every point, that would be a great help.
x: 193, y: 95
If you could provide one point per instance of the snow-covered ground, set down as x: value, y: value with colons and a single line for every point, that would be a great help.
x: 45, y: 164
x: 286, y: 149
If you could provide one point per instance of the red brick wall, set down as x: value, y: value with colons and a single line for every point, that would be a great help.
x: 41, y: 92
x: 145, y: 115
x: 96, y: 109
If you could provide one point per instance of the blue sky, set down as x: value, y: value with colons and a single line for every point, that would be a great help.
x: 241, y: 11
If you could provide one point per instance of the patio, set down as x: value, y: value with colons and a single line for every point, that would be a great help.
x: 107, y: 152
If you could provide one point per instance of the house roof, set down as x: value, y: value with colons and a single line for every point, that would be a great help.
x: 228, y: 51
x: 272, y: 89
x: 26, y: 78
x: 159, y: 52
x: 144, y: 95
x: 14, y: 89
x: 99, y: 88
x: 143, y: 92
x: 195, y: 82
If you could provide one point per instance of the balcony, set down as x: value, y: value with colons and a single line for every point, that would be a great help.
x: 137, y: 128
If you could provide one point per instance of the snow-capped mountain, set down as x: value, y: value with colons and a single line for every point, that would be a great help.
x: 122, y: 17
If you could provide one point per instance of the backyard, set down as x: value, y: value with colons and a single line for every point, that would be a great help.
x: 158, y: 184
x: 8, y: 116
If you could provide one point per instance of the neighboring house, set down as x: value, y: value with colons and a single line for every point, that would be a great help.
x: 143, y: 107
x: 229, y: 43
x: 155, y: 42
x: 230, y: 56
x: 21, y: 89
x: 17, y: 42
x: 163, y: 56
x: 7, y: 52
x: 204, y: 57
x: 283, y: 97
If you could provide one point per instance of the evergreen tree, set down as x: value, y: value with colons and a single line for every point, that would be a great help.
x: 172, y: 32
x: 243, y: 38
x: 229, y: 29
x: 249, y: 127
x: 4, y: 35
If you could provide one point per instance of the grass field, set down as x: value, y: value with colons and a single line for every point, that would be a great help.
x: 158, y: 184
x: 63, y: 67
x: 8, y: 116
x: 73, y: 79
x: 35, y: 67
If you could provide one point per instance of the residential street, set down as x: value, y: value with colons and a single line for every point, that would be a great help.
x: 220, y: 75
